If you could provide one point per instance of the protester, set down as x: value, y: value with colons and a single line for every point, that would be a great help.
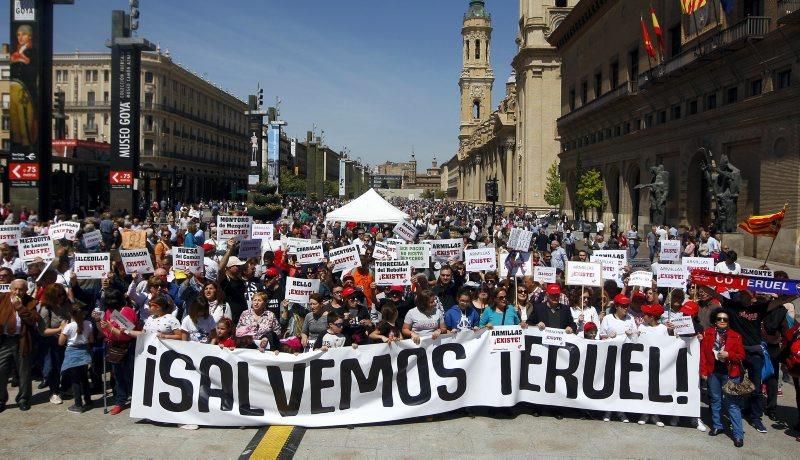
x: 119, y: 349
x: 19, y: 320
x: 500, y: 313
x: 77, y: 336
x: 462, y: 316
x: 424, y: 320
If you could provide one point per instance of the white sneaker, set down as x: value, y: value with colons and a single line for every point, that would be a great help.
x: 657, y: 420
x: 55, y: 399
x: 188, y: 427
x: 701, y: 426
x: 607, y: 417
x: 642, y: 420
x: 623, y: 418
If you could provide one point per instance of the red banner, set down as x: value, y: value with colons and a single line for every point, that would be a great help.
x: 719, y: 281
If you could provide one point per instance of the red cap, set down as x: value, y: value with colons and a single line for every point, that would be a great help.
x: 690, y: 308
x: 208, y: 247
x: 396, y: 288
x: 590, y: 326
x: 655, y: 310
x: 348, y: 291
x: 639, y: 296
x: 621, y: 299
x: 272, y: 272
x: 553, y: 289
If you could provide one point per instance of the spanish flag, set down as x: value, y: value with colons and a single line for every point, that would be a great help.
x: 648, y: 44
x: 657, y: 30
x: 690, y: 6
x: 768, y: 225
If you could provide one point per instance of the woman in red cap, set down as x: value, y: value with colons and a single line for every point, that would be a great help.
x: 652, y: 327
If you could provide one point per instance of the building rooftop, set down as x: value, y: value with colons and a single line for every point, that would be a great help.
x: 477, y: 9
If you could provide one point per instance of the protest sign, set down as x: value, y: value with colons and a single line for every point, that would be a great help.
x: 121, y: 320
x: 671, y: 276
x: 515, y: 264
x: 188, y: 259
x: 9, y: 234
x: 234, y: 227
x: 298, y: 290
x: 195, y: 213
x: 92, y: 239
x: 291, y: 243
x: 506, y: 338
x: 584, y: 274
x: 36, y: 246
x: 92, y: 266
x: 683, y: 325
x: 383, y: 251
x: 263, y: 232
x: 641, y: 279
x: 392, y: 272
x: 64, y: 230
x: 344, y: 258
x: 480, y: 259
x: 641, y: 265
x: 445, y: 251
x: 611, y: 267
x: 381, y: 383
x: 310, y: 254
x: 544, y: 275
x: 136, y: 261
x: 670, y: 251
x: 695, y: 263
x: 757, y: 272
x: 519, y: 240
x: 250, y: 248
x: 620, y: 254
x: 418, y: 255
x: 553, y: 336
x: 394, y: 242
x: 405, y: 230
x: 5, y: 288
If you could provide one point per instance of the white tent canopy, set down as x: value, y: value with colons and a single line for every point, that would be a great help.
x: 369, y: 207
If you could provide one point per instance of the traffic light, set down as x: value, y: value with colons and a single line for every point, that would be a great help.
x: 59, y: 102
x: 491, y: 190
x: 260, y: 97
x: 134, y: 14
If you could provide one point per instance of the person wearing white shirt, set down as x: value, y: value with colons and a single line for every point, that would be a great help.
x: 652, y: 327
x: 617, y: 324
x: 8, y: 260
x: 729, y: 266
x: 713, y: 244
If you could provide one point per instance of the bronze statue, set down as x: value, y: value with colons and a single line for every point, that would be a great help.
x: 659, y: 190
x: 724, y: 182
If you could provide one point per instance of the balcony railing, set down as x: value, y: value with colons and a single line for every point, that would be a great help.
x: 87, y: 129
x: 787, y: 8
x: 625, y: 89
x: 100, y: 105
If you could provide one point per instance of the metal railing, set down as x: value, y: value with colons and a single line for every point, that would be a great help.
x: 181, y: 113
x: 87, y: 104
x: 625, y: 89
x: 787, y: 7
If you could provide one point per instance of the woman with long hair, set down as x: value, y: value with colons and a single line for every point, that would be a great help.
x: 198, y: 325
x: 55, y: 312
x: 214, y: 299
x: 424, y: 319
x: 119, y: 352
x: 77, y: 337
x: 500, y: 313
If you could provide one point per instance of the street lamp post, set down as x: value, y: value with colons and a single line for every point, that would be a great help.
x: 492, y: 195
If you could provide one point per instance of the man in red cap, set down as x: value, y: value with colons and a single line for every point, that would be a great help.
x: 552, y: 313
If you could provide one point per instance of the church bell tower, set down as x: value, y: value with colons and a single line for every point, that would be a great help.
x: 476, y: 71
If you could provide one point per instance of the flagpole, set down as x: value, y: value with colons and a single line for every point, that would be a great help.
x: 785, y: 205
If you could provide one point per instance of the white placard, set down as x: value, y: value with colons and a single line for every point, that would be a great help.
x: 9, y: 234
x: 394, y: 242
x: 445, y: 251
x: 584, y: 274
x: 93, y: 266
x: 392, y: 272
x: 250, y: 248
x: 298, y: 290
x: 670, y: 251
x: 641, y: 279
x: 121, y: 320
x: 544, y: 275
x: 611, y: 267
x: 234, y: 227
x: 291, y: 243
x: 36, y: 246
x: 698, y: 263
x: 194, y: 213
x: 519, y: 266
x: 611, y: 254
x: 418, y: 255
x: 480, y: 259
x: 310, y: 254
x: 136, y: 260
x: 188, y: 259
x: 383, y: 251
x: 519, y: 240
x: 405, y: 230
x: 671, y: 275
x: 24, y: 10
x: 756, y: 272
x: 92, y: 239
x: 344, y: 258
x: 506, y: 338
x: 263, y: 232
x: 683, y: 325
x: 64, y: 230
x: 553, y: 336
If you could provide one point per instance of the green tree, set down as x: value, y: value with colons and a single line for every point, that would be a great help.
x: 589, y: 194
x: 427, y: 194
x: 554, y: 189
x: 440, y: 194
x: 291, y: 184
x: 331, y: 188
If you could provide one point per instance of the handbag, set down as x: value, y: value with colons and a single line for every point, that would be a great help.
x: 116, y: 352
x: 743, y: 388
x: 767, y: 370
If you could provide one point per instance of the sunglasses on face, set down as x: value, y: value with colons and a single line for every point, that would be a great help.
x: 500, y: 297
x: 338, y: 324
x: 522, y: 292
x: 722, y: 320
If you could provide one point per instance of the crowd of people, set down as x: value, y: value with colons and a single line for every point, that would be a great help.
x: 60, y: 330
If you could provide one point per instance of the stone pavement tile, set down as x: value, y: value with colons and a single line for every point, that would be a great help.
x: 340, y: 453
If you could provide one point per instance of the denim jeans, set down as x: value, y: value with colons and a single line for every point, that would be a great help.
x: 123, y: 377
x: 633, y: 250
x: 754, y: 407
x: 732, y: 404
x: 53, y: 357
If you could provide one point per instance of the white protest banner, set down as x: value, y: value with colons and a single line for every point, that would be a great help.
x: 263, y: 232
x: 383, y: 251
x: 683, y: 325
x: 210, y: 386
x: 756, y: 272
x: 506, y: 338
x: 405, y: 230
x: 344, y: 258
x: 92, y: 239
x: 5, y: 288
x: 394, y: 242
x: 250, y: 248
x: 480, y: 259
x: 136, y: 260
x: 641, y: 279
x: 392, y: 272
x: 418, y: 255
x: 298, y: 290
x: 9, y: 234
x: 584, y: 274
x: 310, y: 254
x: 698, y: 263
x: 188, y: 259
x: 93, y: 266
x: 671, y: 276
x: 445, y: 251
x: 545, y: 275
x: 124, y: 322
x: 519, y: 240
x: 517, y: 266
x: 611, y: 254
x: 64, y: 230
x: 553, y: 336
x: 670, y: 251
x: 234, y: 227
x: 36, y: 246
x: 195, y: 213
x: 291, y: 243
x: 611, y: 267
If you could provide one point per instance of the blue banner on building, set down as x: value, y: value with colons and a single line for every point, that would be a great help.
x: 273, y: 153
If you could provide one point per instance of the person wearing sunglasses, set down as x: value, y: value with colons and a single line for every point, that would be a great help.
x: 500, y: 313
x: 334, y: 337
x: 721, y: 356
x: 583, y: 312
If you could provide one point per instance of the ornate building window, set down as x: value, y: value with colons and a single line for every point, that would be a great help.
x: 477, y: 49
x: 476, y: 109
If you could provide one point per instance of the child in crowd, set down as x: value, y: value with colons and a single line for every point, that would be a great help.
x: 78, y: 337
x: 590, y: 331
x: 224, y: 334
x: 386, y: 330
x: 333, y: 338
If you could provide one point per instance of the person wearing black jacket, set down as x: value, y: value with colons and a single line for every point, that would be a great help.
x: 446, y: 287
x: 552, y: 313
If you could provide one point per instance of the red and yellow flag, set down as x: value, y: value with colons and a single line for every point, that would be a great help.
x: 648, y: 44
x: 690, y: 6
x: 657, y: 30
x: 767, y: 225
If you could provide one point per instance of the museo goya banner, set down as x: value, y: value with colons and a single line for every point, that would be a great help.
x: 183, y: 382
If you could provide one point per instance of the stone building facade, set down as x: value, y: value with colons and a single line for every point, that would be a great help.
x: 725, y: 83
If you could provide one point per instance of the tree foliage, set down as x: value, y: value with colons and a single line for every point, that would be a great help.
x: 554, y: 188
x: 291, y: 184
x: 589, y: 194
x: 331, y: 188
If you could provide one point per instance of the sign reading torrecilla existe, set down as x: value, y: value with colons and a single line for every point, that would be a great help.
x: 344, y: 258
x: 392, y: 272
x: 136, y: 260
x: 234, y: 227
x: 190, y: 383
x: 480, y: 259
x: 92, y: 266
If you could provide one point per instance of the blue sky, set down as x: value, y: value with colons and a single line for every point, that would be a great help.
x: 378, y: 76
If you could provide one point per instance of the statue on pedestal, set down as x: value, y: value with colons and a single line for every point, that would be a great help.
x: 724, y: 181
x: 659, y: 190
